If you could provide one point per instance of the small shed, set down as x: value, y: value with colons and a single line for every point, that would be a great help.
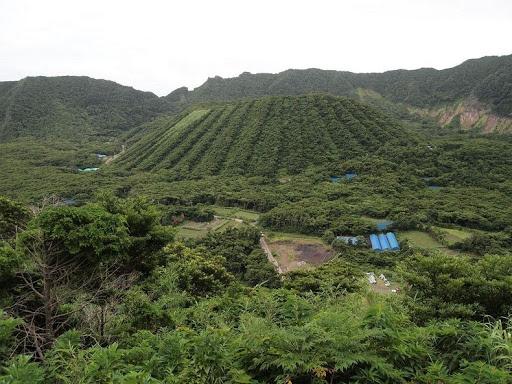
x: 350, y: 240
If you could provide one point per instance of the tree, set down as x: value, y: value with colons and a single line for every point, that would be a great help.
x: 64, y: 251
x: 13, y: 218
x: 442, y: 286
x: 199, y: 273
x: 147, y: 236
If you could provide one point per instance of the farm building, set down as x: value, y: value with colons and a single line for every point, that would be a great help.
x: 350, y: 240
x: 384, y: 242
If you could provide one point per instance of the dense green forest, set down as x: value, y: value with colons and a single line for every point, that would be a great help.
x: 75, y: 108
x: 156, y: 265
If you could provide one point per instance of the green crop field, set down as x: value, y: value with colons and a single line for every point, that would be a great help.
x: 245, y: 215
x: 453, y: 236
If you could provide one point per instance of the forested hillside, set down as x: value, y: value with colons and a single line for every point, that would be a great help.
x: 265, y: 137
x: 73, y: 107
x: 487, y: 81
x: 474, y: 94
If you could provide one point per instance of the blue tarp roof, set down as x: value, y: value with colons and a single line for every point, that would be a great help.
x: 374, y: 239
x: 393, y: 242
x: 382, y: 225
x: 384, y: 242
x: 347, y: 176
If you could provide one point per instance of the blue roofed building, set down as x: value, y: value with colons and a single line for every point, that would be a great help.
x: 393, y: 242
x: 384, y: 242
x: 374, y: 240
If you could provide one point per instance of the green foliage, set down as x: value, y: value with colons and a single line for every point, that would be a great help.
x: 7, y: 327
x: 87, y: 233
x: 198, y: 272
x: 264, y: 136
x: 175, y: 214
x: 21, y: 370
x: 214, y: 310
x: 147, y: 236
x: 487, y: 78
x: 10, y: 261
x: 73, y: 107
x: 13, y: 218
x: 444, y: 286
x: 335, y: 275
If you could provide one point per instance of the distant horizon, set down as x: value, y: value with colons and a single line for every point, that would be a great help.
x: 252, y: 73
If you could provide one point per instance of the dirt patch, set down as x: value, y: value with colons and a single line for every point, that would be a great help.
x: 294, y: 254
x: 313, y: 253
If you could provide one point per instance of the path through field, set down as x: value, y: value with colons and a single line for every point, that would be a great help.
x: 270, y: 257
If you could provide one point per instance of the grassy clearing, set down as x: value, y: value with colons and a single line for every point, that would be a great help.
x: 424, y: 240
x: 195, y: 230
x: 420, y: 239
x: 237, y: 213
x: 274, y: 236
x: 190, y: 118
x: 186, y: 233
x: 453, y: 236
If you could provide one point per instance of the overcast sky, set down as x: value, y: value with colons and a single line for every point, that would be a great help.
x: 158, y: 45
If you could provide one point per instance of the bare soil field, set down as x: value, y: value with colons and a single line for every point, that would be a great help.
x: 292, y: 254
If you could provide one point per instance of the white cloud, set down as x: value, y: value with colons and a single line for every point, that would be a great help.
x: 161, y: 45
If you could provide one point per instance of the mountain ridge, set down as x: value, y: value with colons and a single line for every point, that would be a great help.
x: 76, y: 106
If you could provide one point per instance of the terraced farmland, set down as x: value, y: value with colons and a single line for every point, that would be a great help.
x: 263, y: 137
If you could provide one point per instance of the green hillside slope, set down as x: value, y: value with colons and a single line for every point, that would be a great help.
x: 264, y: 137
x: 73, y: 107
x: 476, y: 94
x: 489, y: 79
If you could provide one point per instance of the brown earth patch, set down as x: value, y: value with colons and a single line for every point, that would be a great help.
x: 294, y: 254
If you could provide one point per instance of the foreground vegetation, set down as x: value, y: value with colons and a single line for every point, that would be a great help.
x: 104, y: 293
